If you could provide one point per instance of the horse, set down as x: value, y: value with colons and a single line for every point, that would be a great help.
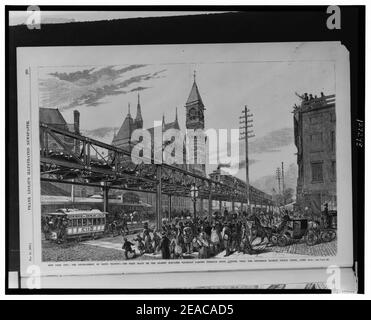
x: 259, y: 231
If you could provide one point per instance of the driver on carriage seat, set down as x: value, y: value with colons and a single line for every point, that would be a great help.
x: 326, y: 217
x: 283, y: 223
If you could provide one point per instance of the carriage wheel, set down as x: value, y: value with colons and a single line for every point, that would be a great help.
x: 283, y: 241
x: 326, y: 236
x: 274, y: 239
x: 311, y: 238
x: 332, y: 234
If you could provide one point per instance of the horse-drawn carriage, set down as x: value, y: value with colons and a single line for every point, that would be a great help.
x: 292, y: 230
x: 295, y: 230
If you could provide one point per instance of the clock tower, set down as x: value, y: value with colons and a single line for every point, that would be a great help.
x: 195, y: 120
x: 195, y: 108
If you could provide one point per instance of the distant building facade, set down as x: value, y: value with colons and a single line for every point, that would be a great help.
x: 315, y: 139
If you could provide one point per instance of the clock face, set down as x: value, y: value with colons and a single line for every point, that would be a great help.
x: 195, y: 114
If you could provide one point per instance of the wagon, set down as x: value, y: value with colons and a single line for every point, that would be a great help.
x: 303, y: 229
x: 294, y: 230
x: 325, y: 231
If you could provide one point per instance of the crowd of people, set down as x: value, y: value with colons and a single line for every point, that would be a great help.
x: 202, y: 237
x: 184, y: 236
x: 56, y: 224
x: 206, y: 236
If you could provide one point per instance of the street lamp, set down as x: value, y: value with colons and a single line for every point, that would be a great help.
x: 194, y: 195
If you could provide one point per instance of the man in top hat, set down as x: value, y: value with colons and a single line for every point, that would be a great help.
x: 165, y: 246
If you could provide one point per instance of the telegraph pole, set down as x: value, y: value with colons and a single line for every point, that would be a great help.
x: 246, y: 134
x: 283, y: 185
x: 278, y: 176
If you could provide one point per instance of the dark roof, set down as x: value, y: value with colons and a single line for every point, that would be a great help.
x: 125, y: 130
x: 194, y: 95
x: 51, y: 116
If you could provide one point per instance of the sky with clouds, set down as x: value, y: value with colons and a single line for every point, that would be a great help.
x: 102, y: 94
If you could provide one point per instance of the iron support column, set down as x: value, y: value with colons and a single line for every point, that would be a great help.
x: 210, y: 205
x: 105, y: 197
x: 159, y: 198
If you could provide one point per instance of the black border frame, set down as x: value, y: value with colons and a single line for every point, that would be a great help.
x: 244, y: 24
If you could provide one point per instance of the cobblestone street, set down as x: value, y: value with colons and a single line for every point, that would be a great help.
x: 321, y: 249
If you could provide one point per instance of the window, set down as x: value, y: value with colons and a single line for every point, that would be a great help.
x: 316, y: 141
x: 317, y: 172
x: 79, y: 222
x: 74, y: 222
x: 84, y: 222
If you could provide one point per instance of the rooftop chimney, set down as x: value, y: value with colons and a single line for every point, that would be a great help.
x: 76, y: 121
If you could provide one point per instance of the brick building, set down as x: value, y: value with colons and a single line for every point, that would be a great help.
x: 55, y: 119
x: 315, y: 139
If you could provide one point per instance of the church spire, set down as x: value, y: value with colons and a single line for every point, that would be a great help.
x: 194, y: 95
x: 139, y: 119
x: 163, y: 121
x: 176, y: 123
x: 129, y: 115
